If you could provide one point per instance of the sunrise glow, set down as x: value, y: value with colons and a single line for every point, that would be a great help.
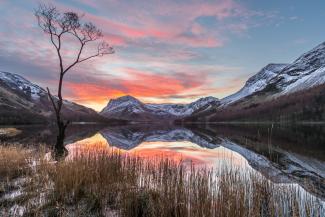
x: 166, y: 51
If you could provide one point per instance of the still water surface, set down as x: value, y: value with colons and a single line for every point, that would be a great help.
x: 283, y: 154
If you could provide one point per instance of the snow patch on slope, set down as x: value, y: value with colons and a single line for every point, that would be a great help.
x: 123, y: 103
x: 133, y: 105
x: 255, y: 83
x: 17, y: 82
x: 305, y: 72
x: 305, y: 81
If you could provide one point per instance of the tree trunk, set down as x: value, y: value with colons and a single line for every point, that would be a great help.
x: 60, y: 150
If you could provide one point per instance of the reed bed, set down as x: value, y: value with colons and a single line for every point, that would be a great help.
x: 108, y: 183
x: 13, y: 162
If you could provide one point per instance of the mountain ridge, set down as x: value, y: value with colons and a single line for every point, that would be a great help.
x: 130, y: 108
x: 306, y: 71
x: 293, y: 92
x: 22, y: 101
x: 255, y: 83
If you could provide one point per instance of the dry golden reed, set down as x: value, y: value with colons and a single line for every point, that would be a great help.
x: 109, y: 183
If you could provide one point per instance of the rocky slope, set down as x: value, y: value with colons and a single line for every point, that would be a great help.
x: 24, y: 102
x: 279, y: 79
x: 305, y: 72
x: 255, y: 83
x: 130, y: 108
x: 292, y: 92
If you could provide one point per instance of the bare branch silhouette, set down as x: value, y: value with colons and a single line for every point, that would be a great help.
x: 56, y: 25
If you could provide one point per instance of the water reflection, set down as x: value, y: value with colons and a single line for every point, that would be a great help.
x: 283, y: 154
x: 34, y: 135
x: 175, y: 145
x: 128, y: 137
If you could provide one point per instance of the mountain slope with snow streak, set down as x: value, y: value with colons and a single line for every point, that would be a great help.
x: 22, y: 101
x: 130, y: 108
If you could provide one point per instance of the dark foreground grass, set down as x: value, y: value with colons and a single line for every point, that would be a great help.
x: 107, y: 183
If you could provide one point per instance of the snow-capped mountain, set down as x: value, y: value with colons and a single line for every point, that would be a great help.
x: 130, y: 108
x: 18, y: 83
x: 278, y: 92
x: 305, y: 72
x: 181, y: 110
x: 21, y: 101
x: 256, y: 83
x: 124, y: 103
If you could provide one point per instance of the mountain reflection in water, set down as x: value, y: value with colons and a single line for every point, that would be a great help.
x: 283, y: 154
x: 178, y: 144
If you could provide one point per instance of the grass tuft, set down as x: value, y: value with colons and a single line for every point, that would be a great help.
x: 107, y: 183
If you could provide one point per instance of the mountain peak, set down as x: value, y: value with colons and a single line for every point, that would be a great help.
x: 313, y: 58
x: 267, y: 72
x: 126, y: 98
x: 121, y: 103
x: 205, y: 100
x: 208, y: 98
x: 257, y: 82
x: 130, y: 107
x: 18, y: 83
x: 25, y: 102
x: 123, y: 99
x: 271, y: 66
x: 306, y: 71
x: 321, y: 47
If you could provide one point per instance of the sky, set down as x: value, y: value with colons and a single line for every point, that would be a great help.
x: 168, y: 51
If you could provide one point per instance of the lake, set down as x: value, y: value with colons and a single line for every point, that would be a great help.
x: 285, y: 154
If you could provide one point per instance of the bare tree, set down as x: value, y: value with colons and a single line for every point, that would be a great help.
x: 58, y: 25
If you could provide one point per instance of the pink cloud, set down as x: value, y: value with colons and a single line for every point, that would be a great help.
x: 165, y: 21
x: 152, y: 39
x: 123, y: 33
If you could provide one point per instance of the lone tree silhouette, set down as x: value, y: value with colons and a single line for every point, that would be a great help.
x: 61, y: 27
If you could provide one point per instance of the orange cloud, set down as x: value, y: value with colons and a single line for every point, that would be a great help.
x: 139, y: 84
x: 156, y: 35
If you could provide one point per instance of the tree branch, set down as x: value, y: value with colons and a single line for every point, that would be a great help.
x: 59, y: 54
x: 77, y: 59
x: 57, y: 24
x: 103, y: 49
x: 52, y: 100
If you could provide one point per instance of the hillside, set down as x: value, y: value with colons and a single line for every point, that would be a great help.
x: 22, y: 102
x: 278, y: 92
